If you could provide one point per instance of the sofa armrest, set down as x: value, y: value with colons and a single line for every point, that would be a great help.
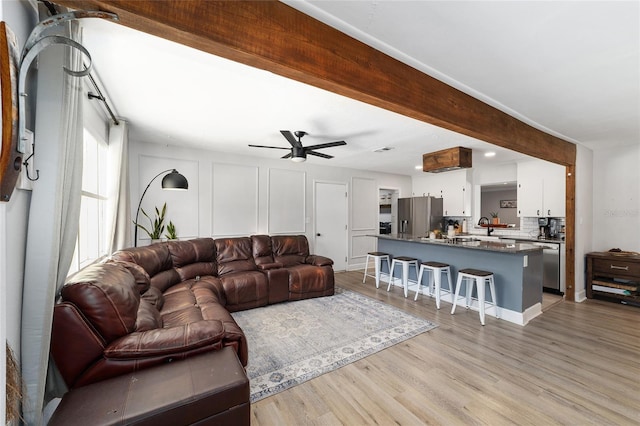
x: 167, y: 341
x: 316, y: 260
x: 267, y: 266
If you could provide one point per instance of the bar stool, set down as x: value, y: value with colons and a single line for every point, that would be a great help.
x: 377, y: 257
x: 406, y: 262
x: 479, y: 277
x: 436, y: 270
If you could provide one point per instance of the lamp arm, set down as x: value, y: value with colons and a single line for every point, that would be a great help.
x: 135, y: 232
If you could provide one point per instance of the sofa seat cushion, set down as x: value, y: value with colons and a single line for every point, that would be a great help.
x: 192, y: 294
x: 203, y: 299
x: 245, y: 290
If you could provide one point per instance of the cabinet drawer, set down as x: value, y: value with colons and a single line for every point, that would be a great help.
x: 616, y: 267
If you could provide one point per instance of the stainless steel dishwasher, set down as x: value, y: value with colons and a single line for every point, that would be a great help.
x: 551, y: 280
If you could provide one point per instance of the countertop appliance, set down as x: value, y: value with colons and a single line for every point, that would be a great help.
x: 419, y: 215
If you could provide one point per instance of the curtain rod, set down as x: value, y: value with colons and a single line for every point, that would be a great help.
x: 101, y: 97
x: 52, y: 10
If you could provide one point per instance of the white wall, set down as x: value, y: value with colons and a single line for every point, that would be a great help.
x: 616, y: 206
x: 20, y: 18
x: 584, y: 229
x: 192, y: 211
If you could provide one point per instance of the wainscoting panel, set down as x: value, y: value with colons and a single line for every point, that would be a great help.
x: 361, y: 245
x: 235, y: 200
x: 364, y: 204
x: 286, y: 201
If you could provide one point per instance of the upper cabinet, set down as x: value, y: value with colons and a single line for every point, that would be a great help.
x: 456, y: 193
x: 541, y: 189
x: 454, y: 187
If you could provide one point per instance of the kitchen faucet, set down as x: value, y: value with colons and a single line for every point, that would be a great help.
x: 485, y: 221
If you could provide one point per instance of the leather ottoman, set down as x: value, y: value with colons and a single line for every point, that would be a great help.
x: 206, y: 389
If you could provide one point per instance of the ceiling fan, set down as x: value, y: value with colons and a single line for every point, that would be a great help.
x: 298, y: 152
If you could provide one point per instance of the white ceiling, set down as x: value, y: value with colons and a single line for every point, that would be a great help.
x: 571, y: 68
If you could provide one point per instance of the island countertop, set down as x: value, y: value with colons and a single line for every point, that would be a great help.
x: 517, y: 268
x: 470, y: 243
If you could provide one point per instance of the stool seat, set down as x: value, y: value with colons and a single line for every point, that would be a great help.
x: 435, y: 264
x: 436, y: 270
x: 378, y: 257
x: 405, y: 259
x: 478, y: 278
x: 476, y: 272
x: 406, y: 262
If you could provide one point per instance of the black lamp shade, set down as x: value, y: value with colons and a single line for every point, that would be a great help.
x: 175, y: 180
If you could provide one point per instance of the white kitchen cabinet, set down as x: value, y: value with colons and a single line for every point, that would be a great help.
x: 456, y: 193
x: 541, y: 189
x: 454, y: 187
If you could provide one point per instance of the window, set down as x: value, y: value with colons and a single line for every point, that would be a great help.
x: 92, y: 242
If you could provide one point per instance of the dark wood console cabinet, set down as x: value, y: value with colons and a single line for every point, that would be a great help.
x: 613, y: 277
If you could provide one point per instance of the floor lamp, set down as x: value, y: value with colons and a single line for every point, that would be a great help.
x: 172, y: 181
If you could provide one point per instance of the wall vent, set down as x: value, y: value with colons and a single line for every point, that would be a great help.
x: 383, y: 149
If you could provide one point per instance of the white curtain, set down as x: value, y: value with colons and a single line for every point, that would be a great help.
x: 118, y: 211
x: 54, y: 213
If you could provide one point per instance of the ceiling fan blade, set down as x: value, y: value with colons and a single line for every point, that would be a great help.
x: 292, y: 139
x: 286, y: 156
x: 264, y: 146
x: 318, y: 154
x: 326, y: 145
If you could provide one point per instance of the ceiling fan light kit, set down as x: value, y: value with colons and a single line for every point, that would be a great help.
x: 447, y: 160
x: 298, y: 152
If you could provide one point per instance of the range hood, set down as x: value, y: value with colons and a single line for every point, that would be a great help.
x: 446, y: 160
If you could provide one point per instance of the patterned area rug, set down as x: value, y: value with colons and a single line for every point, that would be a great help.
x: 290, y: 343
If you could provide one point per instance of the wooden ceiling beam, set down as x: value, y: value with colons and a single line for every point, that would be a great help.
x: 273, y: 36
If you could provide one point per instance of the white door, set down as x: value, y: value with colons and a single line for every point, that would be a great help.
x: 331, y: 222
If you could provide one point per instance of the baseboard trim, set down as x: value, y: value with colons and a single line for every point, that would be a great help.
x: 519, y: 318
x: 580, y: 296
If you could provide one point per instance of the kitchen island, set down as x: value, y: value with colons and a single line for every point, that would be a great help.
x: 517, y: 268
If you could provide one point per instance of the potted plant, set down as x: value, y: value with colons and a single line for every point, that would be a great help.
x: 494, y: 218
x: 171, y: 231
x: 157, y: 224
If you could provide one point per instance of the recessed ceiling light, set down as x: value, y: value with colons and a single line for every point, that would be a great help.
x: 490, y: 154
x: 419, y: 167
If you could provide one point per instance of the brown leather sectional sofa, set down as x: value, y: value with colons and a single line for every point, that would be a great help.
x: 168, y: 301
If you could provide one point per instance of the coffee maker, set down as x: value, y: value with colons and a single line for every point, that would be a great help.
x: 545, y: 229
x: 554, y: 227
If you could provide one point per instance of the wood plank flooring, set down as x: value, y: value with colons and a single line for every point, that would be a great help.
x: 576, y: 364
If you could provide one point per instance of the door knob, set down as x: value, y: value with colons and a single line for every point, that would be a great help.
x: 318, y: 234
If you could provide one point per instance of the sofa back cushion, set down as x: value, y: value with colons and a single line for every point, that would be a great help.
x: 193, y: 258
x: 142, y: 279
x: 156, y: 260
x: 290, y: 250
x: 234, y: 255
x: 108, y: 298
x: 262, y: 253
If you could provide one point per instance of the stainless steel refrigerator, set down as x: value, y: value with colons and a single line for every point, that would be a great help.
x: 419, y: 215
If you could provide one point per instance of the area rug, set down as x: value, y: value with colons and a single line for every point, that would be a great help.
x: 292, y: 342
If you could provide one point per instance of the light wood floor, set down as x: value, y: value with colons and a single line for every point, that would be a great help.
x: 576, y: 364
